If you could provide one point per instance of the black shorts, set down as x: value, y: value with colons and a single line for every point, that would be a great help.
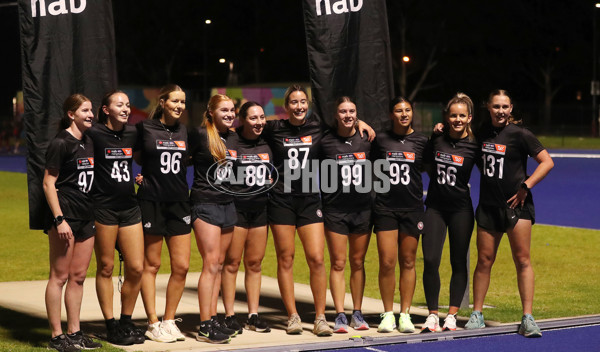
x: 82, y: 229
x: 166, y: 218
x: 497, y: 219
x: 254, y: 218
x: 408, y: 222
x: 221, y: 215
x: 294, y: 210
x: 348, y: 223
x: 122, y: 218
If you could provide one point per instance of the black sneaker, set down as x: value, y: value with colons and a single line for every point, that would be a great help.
x: 63, y: 344
x: 232, y: 323
x: 222, y: 328
x: 116, y: 335
x: 130, y: 329
x: 255, y: 324
x: 208, y: 333
x: 82, y: 341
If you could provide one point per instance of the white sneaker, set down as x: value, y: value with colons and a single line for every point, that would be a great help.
x: 156, y: 333
x: 432, y: 324
x: 171, y: 328
x: 450, y: 322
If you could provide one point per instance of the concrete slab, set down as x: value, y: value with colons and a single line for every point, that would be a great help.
x: 28, y: 297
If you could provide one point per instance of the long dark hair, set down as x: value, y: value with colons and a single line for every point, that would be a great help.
x: 163, y: 95
x: 71, y: 104
x: 102, y: 117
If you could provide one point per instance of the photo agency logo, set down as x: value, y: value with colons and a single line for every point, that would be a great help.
x: 243, y: 175
x: 349, y: 173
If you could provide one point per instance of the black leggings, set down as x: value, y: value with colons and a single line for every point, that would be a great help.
x: 460, y: 227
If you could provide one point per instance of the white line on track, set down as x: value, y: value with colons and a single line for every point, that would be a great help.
x: 566, y: 155
x: 374, y: 349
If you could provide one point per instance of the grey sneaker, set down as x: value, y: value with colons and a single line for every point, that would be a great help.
x: 528, y: 327
x: 294, y: 325
x: 475, y: 321
x: 341, y: 324
x: 321, y: 327
x: 358, y: 321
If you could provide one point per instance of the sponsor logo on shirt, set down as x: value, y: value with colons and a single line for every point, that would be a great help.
x: 450, y: 159
x: 493, y: 148
x: 118, y: 153
x: 231, y: 154
x: 85, y: 163
x: 170, y: 145
x: 297, y: 141
x: 254, y: 158
x: 350, y: 158
x: 406, y: 157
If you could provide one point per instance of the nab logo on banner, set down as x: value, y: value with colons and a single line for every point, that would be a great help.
x: 56, y: 8
x: 338, y: 7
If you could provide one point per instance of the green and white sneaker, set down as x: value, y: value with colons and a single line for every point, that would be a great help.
x: 405, y: 325
x: 388, y: 322
x: 528, y: 327
x: 475, y: 321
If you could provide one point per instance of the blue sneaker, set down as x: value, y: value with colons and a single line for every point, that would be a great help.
x: 475, y: 321
x: 358, y: 321
x: 341, y: 324
x: 528, y: 327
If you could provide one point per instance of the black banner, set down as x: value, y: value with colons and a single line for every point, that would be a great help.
x: 349, y: 54
x: 67, y: 46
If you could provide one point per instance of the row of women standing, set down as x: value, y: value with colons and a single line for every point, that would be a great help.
x: 223, y: 232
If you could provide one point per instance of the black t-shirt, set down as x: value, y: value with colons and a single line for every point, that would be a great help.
x: 451, y: 164
x: 349, y: 177
x: 74, y: 160
x: 505, y: 152
x: 296, y: 146
x: 211, y: 181
x: 254, y: 172
x: 114, y: 180
x: 164, y: 161
x: 405, y: 157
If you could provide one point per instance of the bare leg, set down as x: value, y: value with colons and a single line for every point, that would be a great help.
x: 61, y: 254
x: 82, y: 254
x: 313, y: 241
x: 104, y: 246
x: 179, y: 254
x: 231, y: 267
x: 152, y: 251
x: 408, y: 277
x: 131, y: 243
x: 359, y: 244
x: 256, y: 244
x: 387, y: 246
x: 284, y: 238
x: 487, y: 247
x: 520, y: 245
x: 337, y: 245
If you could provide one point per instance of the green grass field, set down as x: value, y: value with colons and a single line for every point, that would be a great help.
x: 564, y: 259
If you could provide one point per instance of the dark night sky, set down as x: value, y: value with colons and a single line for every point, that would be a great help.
x: 480, y: 45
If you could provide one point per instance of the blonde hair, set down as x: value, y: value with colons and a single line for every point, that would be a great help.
x: 462, y: 98
x: 215, y: 144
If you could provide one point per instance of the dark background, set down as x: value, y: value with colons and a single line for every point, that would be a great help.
x: 536, y: 49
